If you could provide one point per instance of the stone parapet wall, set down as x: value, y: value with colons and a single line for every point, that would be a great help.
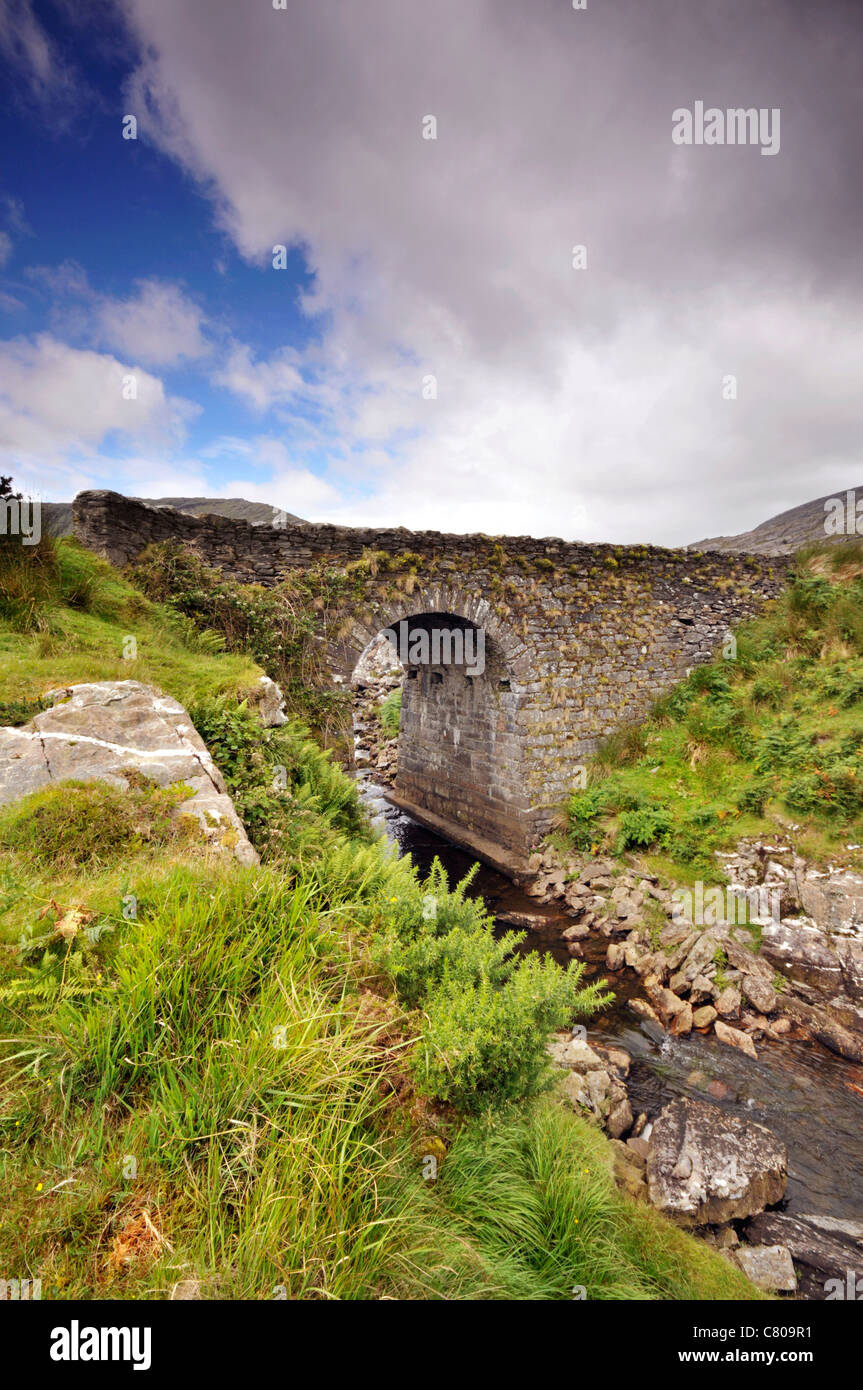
x: 580, y: 640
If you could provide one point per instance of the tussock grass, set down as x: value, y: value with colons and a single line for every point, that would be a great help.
x: 226, y: 1081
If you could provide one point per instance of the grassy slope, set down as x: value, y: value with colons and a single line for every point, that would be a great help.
x: 768, y: 743
x: 213, y: 1092
x: 70, y: 622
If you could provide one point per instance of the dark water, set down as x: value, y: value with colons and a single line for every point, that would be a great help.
x: 809, y: 1098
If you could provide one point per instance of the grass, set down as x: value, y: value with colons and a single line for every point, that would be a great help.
x: 88, y: 824
x: 768, y: 743
x: 219, y: 1075
x: 230, y: 1079
x: 66, y: 617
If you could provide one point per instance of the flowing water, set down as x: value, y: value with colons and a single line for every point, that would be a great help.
x: 811, y: 1099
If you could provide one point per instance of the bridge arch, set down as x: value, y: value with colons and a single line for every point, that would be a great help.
x: 461, y: 740
x: 589, y: 636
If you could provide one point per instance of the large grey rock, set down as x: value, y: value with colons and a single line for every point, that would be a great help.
x: 574, y: 1053
x: 706, y: 1167
x: 820, y: 1250
x: 96, y: 732
x: 768, y: 1266
x: 834, y: 900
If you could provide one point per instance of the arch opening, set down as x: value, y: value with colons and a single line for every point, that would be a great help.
x: 458, y: 762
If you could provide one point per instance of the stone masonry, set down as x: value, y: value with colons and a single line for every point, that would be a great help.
x: 579, y: 640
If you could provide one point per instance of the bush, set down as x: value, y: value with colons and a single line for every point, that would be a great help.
x: 767, y: 690
x: 279, y: 627
x: 488, y: 1010
x: 783, y: 748
x: 640, y: 828
x: 754, y: 797
x: 583, y: 809
x: 486, y: 1042
x: 286, y: 789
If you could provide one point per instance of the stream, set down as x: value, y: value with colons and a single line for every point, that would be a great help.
x: 808, y: 1097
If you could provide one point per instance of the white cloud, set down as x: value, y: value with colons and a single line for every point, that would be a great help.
x: 260, y: 384
x: 570, y: 402
x: 582, y: 402
x: 5, y: 248
x: 159, y: 326
x: 60, y: 406
x: 28, y: 47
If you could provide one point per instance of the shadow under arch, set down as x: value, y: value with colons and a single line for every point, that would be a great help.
x: 461, y: 740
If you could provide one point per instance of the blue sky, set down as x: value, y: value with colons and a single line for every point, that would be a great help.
x: 430, y: 356
x: 93, y: 219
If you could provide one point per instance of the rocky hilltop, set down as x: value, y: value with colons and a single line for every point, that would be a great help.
x: 785, y: 533
x: 59, y: 521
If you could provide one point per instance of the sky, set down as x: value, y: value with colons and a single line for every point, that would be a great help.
x: 510, y: 299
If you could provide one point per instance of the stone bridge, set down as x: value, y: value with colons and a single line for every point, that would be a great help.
x: 578, y: 641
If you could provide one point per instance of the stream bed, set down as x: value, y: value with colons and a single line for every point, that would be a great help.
x: 808, y: 1097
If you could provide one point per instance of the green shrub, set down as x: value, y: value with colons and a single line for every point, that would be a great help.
x: 783, y: 748
x: 583, y: 809
x: 769, y: 691
x: 287, y: 790
x: 753, y: 797
x: 485, y: 1042
x: 280, y: 627
x: 20, y: 711
x: 487, y: 1010
x: 390, y: 713
x: 640, y: 828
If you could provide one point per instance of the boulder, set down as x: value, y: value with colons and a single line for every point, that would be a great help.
x: 703, y: 1017
x: 525, y: 921
x: 760, y: 994
x: 681, y: 1022
x: 706, y: 1167
x: 733, y: 1037
x: 701, y: 990
x: 629, y: 1171
x: 619, y: 1119
x: 833, y: 899
x: 577, y: 932
x: 701, y: 956
x: 643, y: 1009
x: 770, y: 1267
x: 599, y: 1088
x: 574, y: 1088
x: 728, y: 1002
x: 95, y: 732
x: 823, y: 1250
x: 268, y: 703
x: 615, y: 956
x: 575, y: 1054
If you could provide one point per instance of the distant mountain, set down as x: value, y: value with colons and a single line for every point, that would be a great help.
x: 786, y: 532
x: 57, y: 516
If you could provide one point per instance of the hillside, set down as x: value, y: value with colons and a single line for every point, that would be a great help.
x: 58, y: 520
x: 782, y: 534
x: 291, y: 1080
x: 763, y: 739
